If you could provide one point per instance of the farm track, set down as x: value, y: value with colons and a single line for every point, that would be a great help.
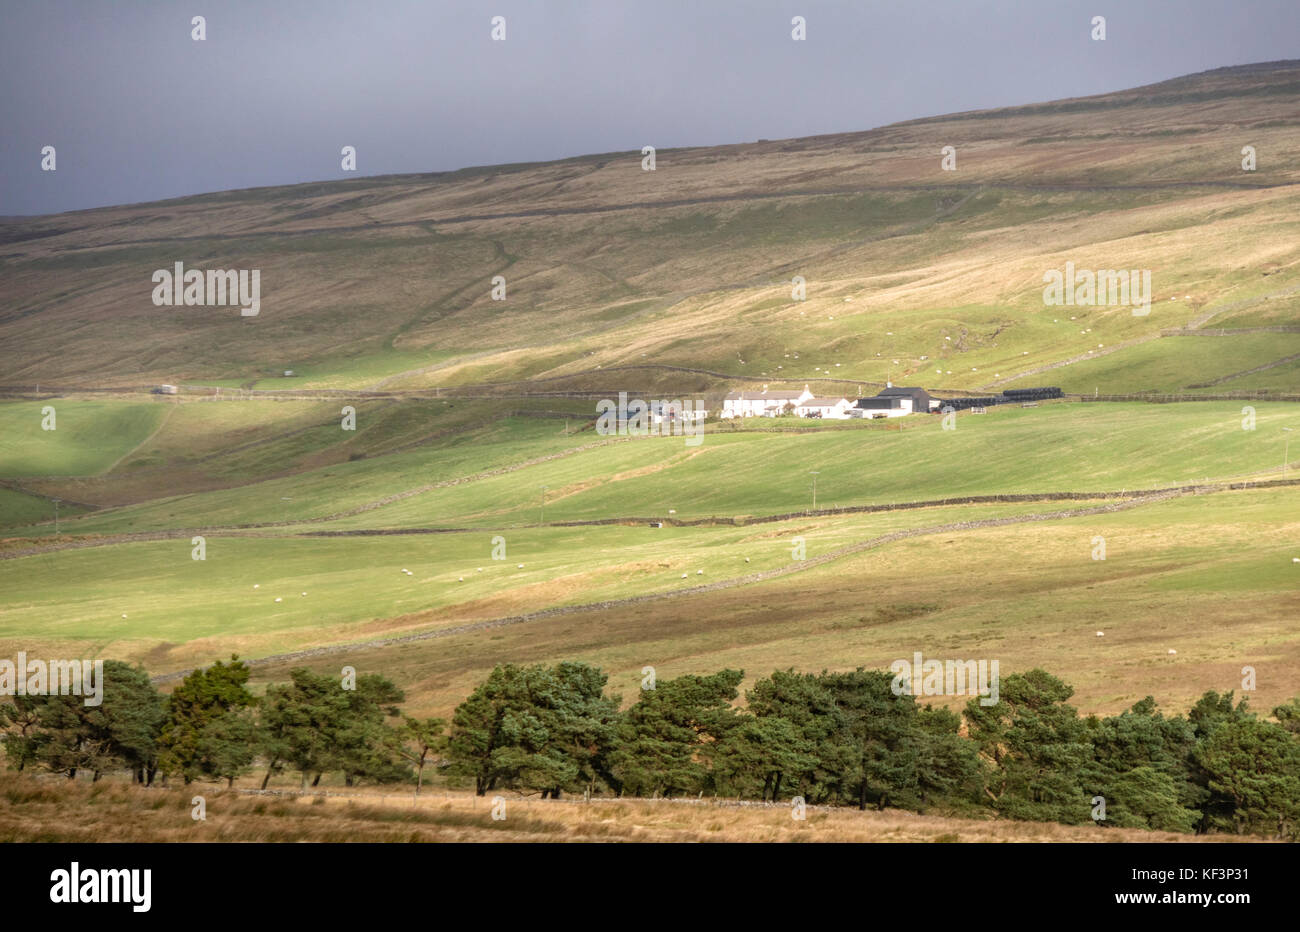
x: 749, y: 579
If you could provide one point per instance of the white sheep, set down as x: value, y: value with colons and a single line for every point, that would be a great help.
x: 278, y: 599
x: 1101, y: 634
x: 1172, y: 651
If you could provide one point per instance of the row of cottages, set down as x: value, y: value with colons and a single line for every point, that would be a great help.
x: 891, y: 402
x: 763, y: 404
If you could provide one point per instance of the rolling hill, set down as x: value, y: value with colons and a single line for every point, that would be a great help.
x: 475, y: 417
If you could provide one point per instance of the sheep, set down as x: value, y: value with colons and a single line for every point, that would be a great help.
x: 1101, y: 634
x: 304, y: 595
x: 278, y: 599
x: 1172, y: 651
x: 683, y: 575
x: 699, y: 572
x: 521, y: 566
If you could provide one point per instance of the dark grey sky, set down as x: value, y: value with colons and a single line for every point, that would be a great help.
x: 138, y: 111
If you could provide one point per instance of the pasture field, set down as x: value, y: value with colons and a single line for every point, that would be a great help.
x: 1180, y: 363
x: 1016, y: 591
x: 730, y: 472
x: 1029, y: 594
x: 87, y: 437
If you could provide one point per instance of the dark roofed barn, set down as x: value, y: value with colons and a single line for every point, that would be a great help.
x: 920, y: 397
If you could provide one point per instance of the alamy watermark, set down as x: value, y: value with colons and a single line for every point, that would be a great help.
x: 638, y: 418
x: 919, y: 677
x: 1103, y: 288
x: 52, y: 678
x: 218, y: 288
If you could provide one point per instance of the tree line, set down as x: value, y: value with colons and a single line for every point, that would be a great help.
x: 842, y: 739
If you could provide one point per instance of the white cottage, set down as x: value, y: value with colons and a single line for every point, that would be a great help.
x: 762, y: 404
x: 835, y: 408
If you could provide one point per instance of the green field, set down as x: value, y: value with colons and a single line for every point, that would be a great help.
x: 1052, y: 448
x: 87, y: 437
x: 1175, y: 364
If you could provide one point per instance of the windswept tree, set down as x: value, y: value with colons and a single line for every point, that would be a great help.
x: 67, y: 736
x: 667, y: 740
x: 1037, y: 749
x: 227, y: 745
x: 1142, y: 767
x: 314, y: 725
x: 23, y: 736
x: 417, y: 739
x: 790, y: 734
x: 193, y: 737
x: 1213, y: 711
x: 761, y: 756
x: 538, y: 727
x: 1255, y: 766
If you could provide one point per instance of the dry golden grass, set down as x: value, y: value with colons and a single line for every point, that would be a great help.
x: 52, y: 809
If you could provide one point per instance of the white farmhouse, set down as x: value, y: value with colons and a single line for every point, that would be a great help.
x: 762, y: 404
x: 835, y: 408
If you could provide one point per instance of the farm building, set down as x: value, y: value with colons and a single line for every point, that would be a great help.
x: 762, y: 404
x: 918, y: 399
x: 881, y: 406
x: 662, y: 412
x: 836, y: 408
x: 895, y: 402
x: 164, y: 389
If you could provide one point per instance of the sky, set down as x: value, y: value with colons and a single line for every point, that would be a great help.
x: 137, y: 110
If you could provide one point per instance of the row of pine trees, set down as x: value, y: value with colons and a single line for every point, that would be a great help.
x: 841, y: 739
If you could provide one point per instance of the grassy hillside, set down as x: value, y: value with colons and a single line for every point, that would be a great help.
x: 386, y: 281
x: 474, y: 417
